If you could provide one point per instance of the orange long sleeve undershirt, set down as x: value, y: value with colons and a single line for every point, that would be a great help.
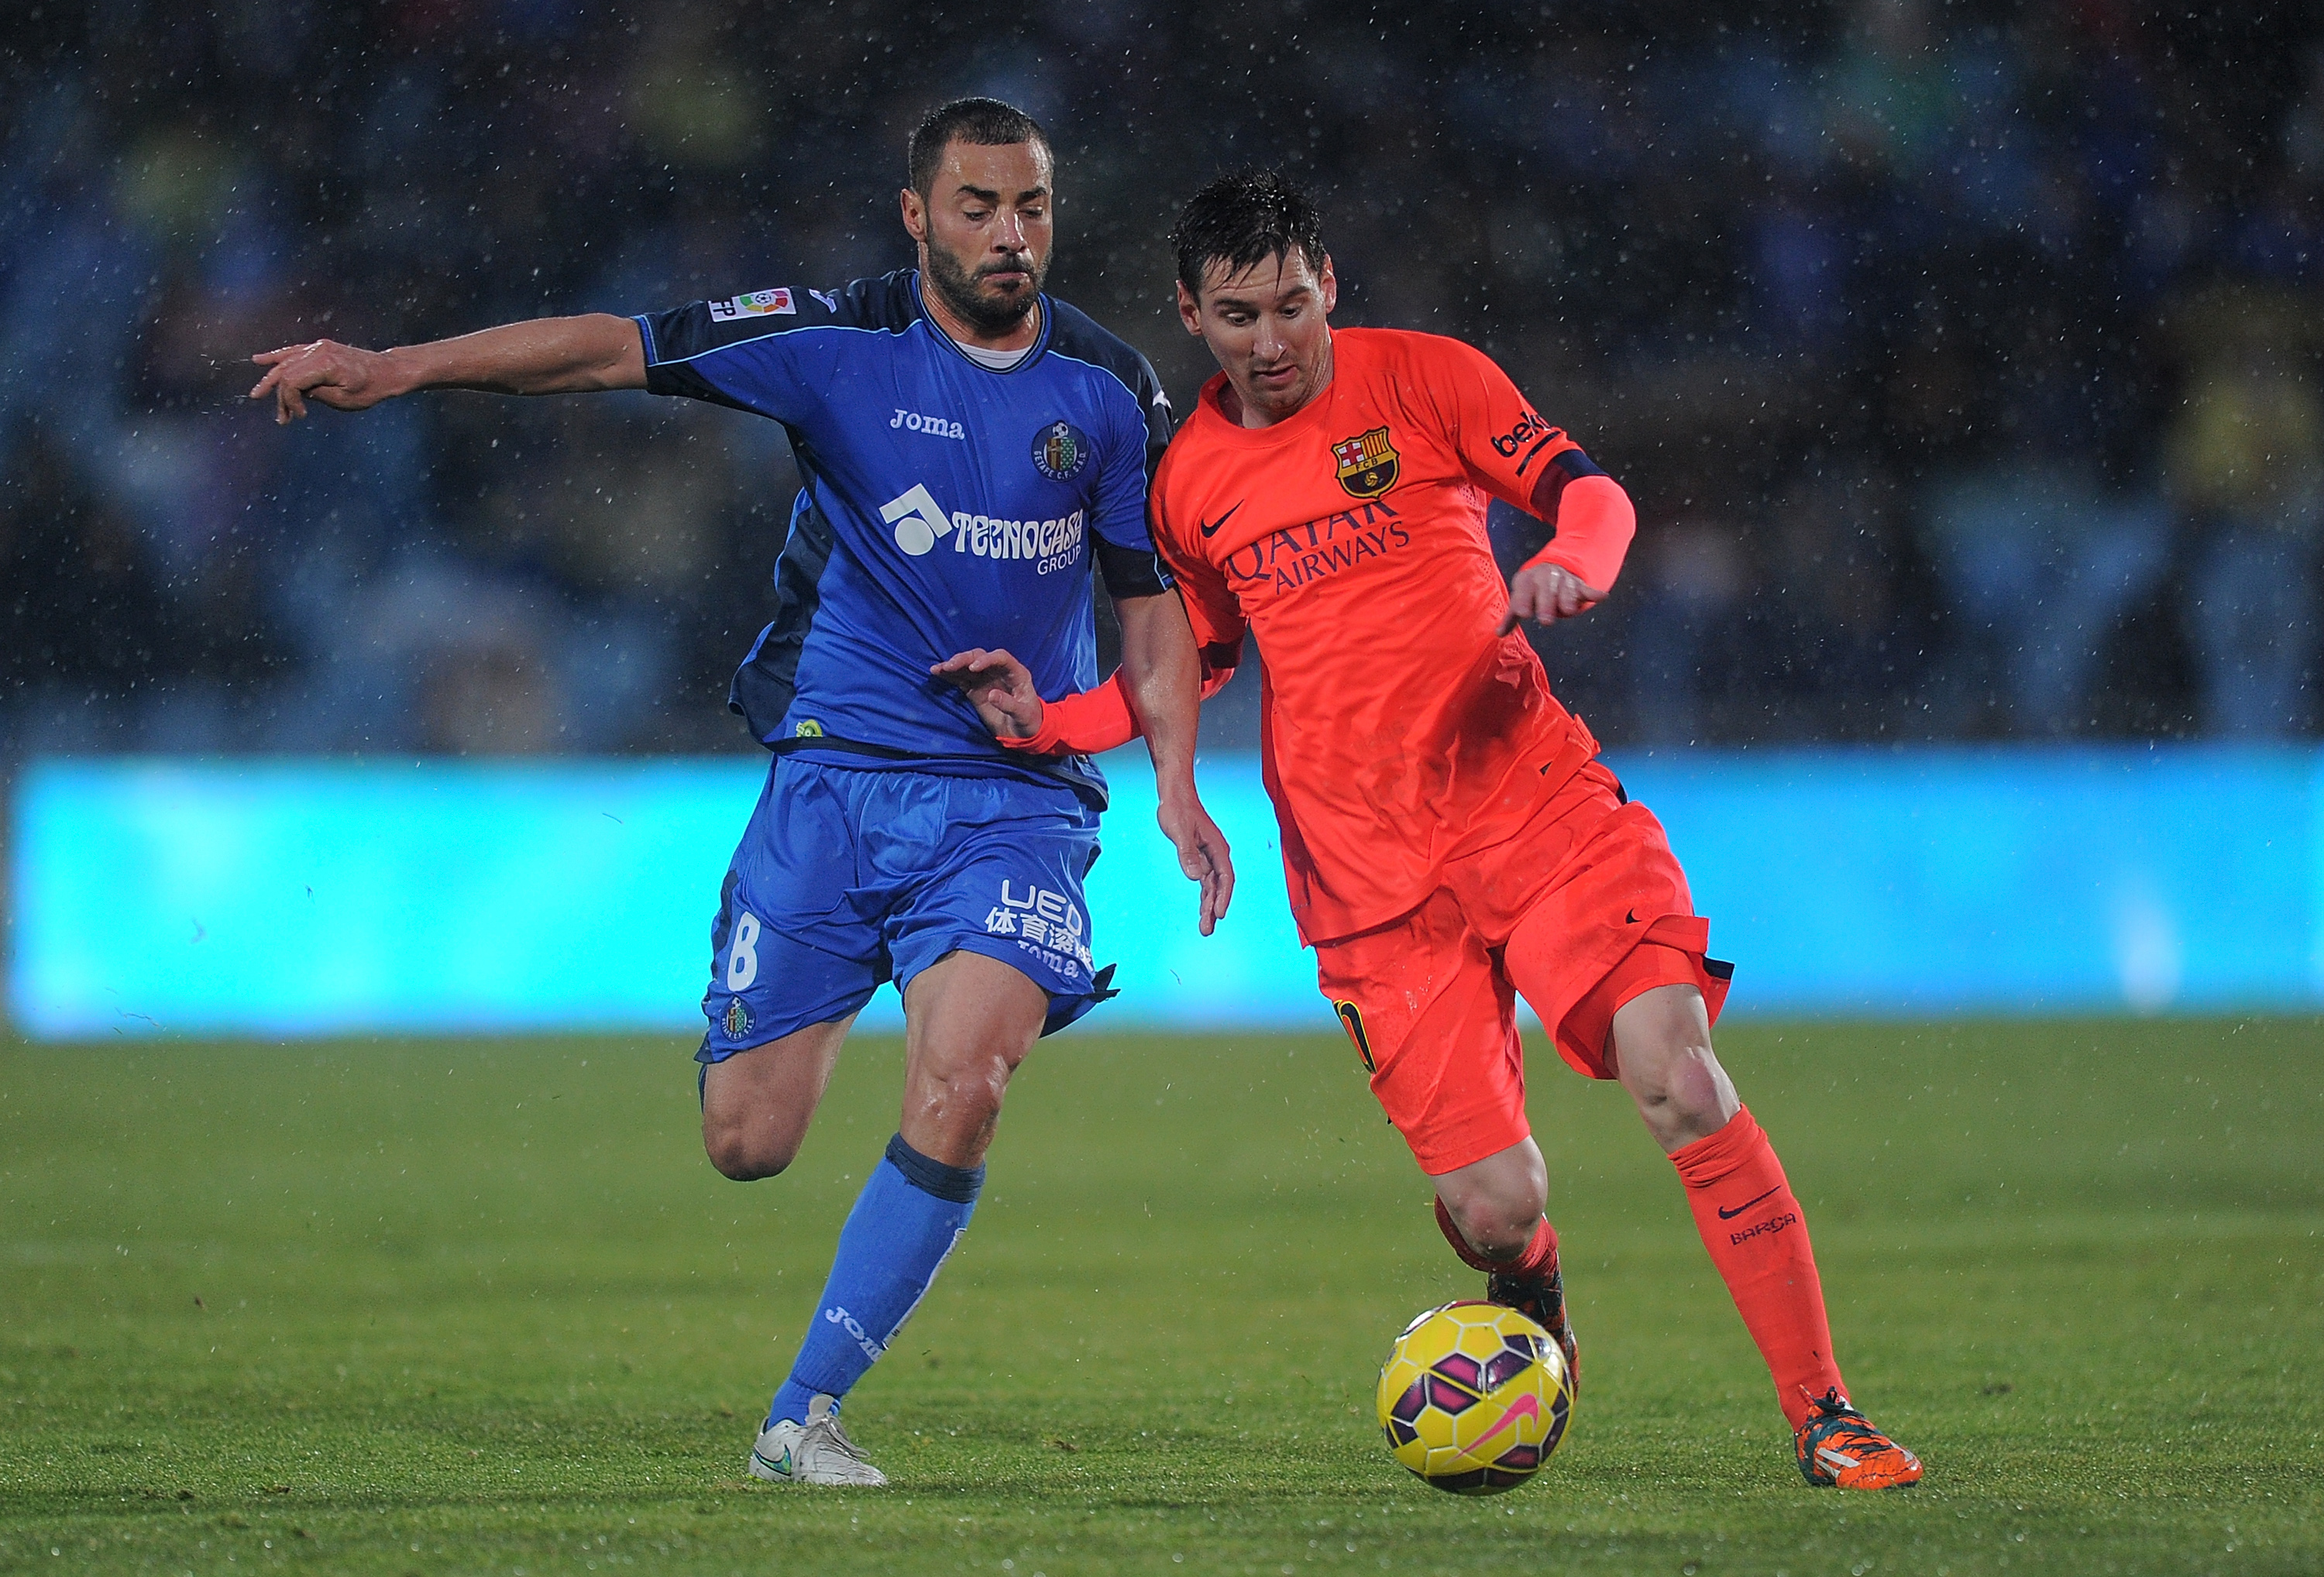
x: 1595, y: 522
x: 1090, y: 721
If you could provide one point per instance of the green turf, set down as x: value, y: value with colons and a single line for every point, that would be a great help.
x: 420, y: 1307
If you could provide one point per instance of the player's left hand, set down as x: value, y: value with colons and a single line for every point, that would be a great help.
x: 999, y: 686
x: 1545, y: 594
x: 1202, y: 854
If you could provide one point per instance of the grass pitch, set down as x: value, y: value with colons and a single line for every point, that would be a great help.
x: 428, y: 1307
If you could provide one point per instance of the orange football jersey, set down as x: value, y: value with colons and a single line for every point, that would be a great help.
x: 1351, y: 539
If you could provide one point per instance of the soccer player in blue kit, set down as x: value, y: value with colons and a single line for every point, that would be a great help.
x: 967, y: 446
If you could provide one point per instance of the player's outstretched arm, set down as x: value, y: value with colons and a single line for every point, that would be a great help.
x: 1162, y: 674
x: 547, y: 355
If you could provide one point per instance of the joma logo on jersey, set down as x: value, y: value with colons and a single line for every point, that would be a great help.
x: 756, y: 304
x: 1290, y: 558
x: 941, y: 427
x: 920, y: 522
x: 1367, y: 463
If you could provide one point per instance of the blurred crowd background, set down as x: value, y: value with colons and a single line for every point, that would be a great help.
x: 1961, y: 357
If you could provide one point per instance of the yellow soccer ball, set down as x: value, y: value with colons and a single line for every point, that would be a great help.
x: 1473, y: 1398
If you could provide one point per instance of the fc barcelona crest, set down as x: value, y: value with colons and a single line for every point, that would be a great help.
x: 1367, y: 464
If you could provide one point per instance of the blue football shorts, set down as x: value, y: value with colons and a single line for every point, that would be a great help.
x: 848, y: 877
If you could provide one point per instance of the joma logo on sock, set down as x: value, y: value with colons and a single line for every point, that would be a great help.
x: 846, y: 1322
x: 1767, y: 1228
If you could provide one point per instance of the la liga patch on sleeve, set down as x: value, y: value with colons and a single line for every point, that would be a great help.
x: 756, y: 304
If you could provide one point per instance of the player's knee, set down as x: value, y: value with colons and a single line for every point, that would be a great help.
x: 1498, y: 1227
x: 744, y: 1155
x: 743, y: 1164
x: 1681, y: 1092
x: 1698, y: 1086
x: 966, y: 1093
x: 1497, y: 1208
x: 1662, y: 1046
x: 1673, y: 1078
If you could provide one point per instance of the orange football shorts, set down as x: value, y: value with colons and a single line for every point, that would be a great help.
x: 1579, y: 909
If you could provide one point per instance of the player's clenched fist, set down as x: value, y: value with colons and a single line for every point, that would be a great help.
x: 338, y: 375
x: 1545, y: 593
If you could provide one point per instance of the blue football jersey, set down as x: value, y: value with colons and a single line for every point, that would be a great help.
x: 944, y: 505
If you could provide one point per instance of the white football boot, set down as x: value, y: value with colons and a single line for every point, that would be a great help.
x: 816, y: 1451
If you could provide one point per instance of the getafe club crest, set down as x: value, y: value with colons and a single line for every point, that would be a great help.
x: 1367, y: 464
x: 1060, y: 450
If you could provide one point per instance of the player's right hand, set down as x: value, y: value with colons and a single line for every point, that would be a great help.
x: 1203, y: 853
x: 999, y: 686
x: 338, y: 375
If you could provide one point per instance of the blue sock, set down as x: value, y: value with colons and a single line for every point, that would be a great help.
x: 911, y: 1214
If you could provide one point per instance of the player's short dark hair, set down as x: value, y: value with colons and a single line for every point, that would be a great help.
x: 982, y: 123
x: 1244, y: 219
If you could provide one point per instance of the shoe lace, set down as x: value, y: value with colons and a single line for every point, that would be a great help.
x: 826, y: 1431
x: 1836, y: 1421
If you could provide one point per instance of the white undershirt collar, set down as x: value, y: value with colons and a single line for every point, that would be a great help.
x: 999, y: 361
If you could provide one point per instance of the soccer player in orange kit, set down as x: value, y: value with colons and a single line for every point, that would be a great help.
x: 1449, y: 838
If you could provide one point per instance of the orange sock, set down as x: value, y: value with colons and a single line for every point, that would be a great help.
x: 1752, y: 1224
x: 1539, y: 1254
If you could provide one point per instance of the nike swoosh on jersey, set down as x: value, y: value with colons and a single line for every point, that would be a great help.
x: 1212, y: 528
x: 1726, y: 1215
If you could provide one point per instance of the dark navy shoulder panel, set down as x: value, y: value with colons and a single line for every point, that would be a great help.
x: 1128, y: 572
x: 886, y: 302
x: 674, y: 339
x: 768, y: 678
x: 1075, y: 335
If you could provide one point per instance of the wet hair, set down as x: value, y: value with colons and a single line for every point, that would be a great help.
x: 1244, y: 219
x: 982, y: 123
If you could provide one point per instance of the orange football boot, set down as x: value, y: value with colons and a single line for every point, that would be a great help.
x: 1839, y: 1449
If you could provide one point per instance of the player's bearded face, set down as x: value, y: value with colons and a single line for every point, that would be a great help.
x: 989, y: 292
x: 988, y: 231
